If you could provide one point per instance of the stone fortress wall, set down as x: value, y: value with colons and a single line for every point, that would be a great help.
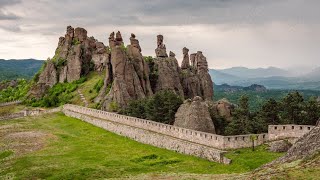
x: 204, y: 145
x: 207, y: 139
x: 152, y: 138
x: 276, y: 132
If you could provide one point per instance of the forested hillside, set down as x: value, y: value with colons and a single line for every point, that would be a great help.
x: 22, y: 68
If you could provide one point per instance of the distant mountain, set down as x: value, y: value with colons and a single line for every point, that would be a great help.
x: 271, y: 78
x: 221, y: 77
x: 313, y: 75
x: 19, y: 68
x: 244, y: 72
x: 229, y: 88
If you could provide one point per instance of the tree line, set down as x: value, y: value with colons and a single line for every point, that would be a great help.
x: 291, y: 109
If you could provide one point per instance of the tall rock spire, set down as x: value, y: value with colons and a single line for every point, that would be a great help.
x: 185, y: 62
x: 161, y: 48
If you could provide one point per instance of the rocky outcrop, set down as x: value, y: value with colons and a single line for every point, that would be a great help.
x: 223, y: 108
x: 306, y: 146
x: 279, y: 146
x: 49, y: 75
x: 201, y: 66
x: 194, y: 114
x: 6, y: 84
x: 129, y: 73
x: 129, y: 76
x: 168, y: 75
x: 185, y: 62
x: 161, y: 48
x: 75, y: 56
x: 195, y: 78
x: 140, y: 66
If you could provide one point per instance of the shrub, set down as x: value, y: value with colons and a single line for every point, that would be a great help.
x: 75, y: 41
x: 58, y: 95
x: 161, y: 107
x: 114, y: 106
x: 15, y: 93
x: 98, y: 85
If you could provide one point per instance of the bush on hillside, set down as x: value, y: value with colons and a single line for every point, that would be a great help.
x: 59, y: 94
x: 161, y: 107
x: 15, y: 93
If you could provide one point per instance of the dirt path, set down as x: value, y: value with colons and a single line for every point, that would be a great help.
x: 83, y: 99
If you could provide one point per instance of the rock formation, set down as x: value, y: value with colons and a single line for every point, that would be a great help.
x: 185, y: 62
x: 49, y: 75
x: 279, y: 146
x: 205, y: 79
x: 128, y: 75
x: 75, y: 56
x: 161, y: 48
x: 194, y: 114
x: 6, y: 84
x: 168, y: 75
x: 304, y: 147
x: 223, y: 108
x: 196, y: 80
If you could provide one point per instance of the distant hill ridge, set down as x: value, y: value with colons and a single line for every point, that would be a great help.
x: 271, y: 78
x: 19, y: 68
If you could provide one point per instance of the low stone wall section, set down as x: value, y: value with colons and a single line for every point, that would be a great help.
x: 10, y: 103
x: 276, y: 132
x: 24, y: 113
x: 149, y: 137
x: 207, y: 139
x: 12, y: 116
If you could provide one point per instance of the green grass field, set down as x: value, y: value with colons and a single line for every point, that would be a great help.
x: 58, y: 147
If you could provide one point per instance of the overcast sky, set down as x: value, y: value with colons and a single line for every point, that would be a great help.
x: 251, y: 33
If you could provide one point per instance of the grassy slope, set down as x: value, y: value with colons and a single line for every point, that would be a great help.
x: 77, y: 150
x: 85, y: 88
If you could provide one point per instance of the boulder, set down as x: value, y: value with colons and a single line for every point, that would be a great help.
x: 194, y: 114
x: 223, y: 108
x: 279, y: 146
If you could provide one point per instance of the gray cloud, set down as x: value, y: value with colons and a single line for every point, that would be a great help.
x: 8, y: 2
x: 230, y: 32
x: 8, y: 16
